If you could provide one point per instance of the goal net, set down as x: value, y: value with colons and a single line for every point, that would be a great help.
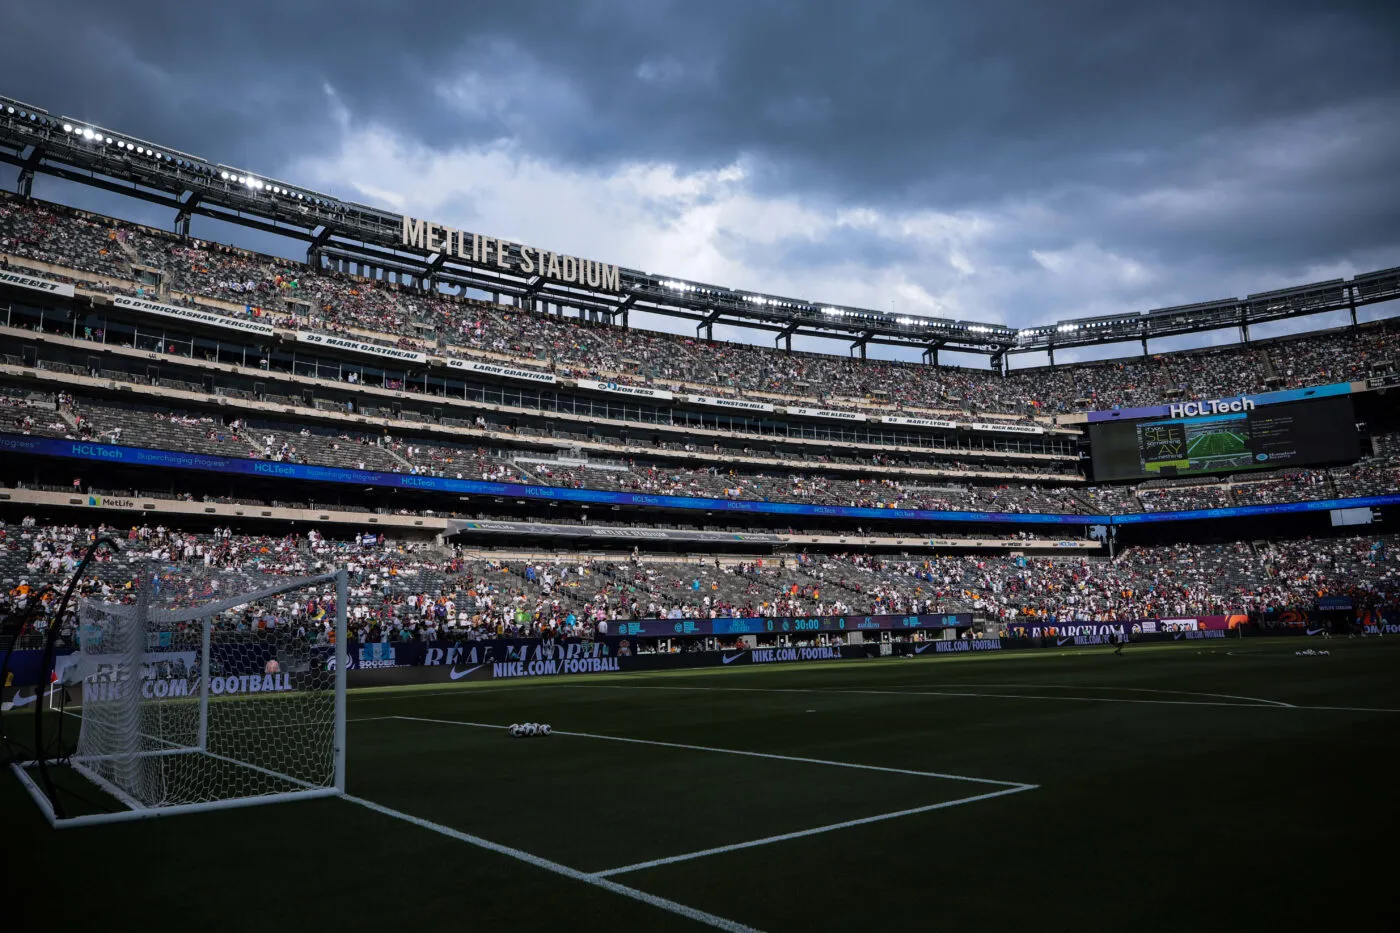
x: 205, y: 690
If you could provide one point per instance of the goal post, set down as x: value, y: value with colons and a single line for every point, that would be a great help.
x: 210, y: 690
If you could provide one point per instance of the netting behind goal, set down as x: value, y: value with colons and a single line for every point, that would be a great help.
x: 210, y: 689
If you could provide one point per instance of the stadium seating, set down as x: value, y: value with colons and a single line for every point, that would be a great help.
x: 322, y: 299
x: 419, y: 590
x: 183, y: 430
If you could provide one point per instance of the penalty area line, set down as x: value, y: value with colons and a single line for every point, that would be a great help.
x: 743, y: 752
x: 830, y: 827
x: 690, y: 913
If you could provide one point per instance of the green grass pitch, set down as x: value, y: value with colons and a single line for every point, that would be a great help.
x: 1215, y: 442
x: 1201, y: 785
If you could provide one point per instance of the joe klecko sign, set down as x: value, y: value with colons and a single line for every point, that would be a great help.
x: 435, y: 238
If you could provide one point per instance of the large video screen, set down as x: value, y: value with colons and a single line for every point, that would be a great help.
x: 1268, y: 437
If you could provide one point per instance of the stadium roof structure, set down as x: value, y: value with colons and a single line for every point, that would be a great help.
x: 38, y: 142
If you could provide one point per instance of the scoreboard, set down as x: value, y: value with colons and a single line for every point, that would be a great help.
x: 1268, y: 437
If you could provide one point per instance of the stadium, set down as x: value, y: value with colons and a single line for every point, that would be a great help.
x: 801, y: 640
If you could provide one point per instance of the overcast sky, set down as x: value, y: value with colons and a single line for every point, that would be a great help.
x: 1015, y: 162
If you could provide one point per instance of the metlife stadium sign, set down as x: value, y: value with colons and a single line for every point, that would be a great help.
x: 513, y: 257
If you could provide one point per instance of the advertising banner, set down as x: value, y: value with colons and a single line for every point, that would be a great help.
x: 62, y: 289
x: 1379, y: 621
x: 1006, y: 427
x: 826, y: 413
x: 618, y: 388
x: 718, y: 402
x: 507, y: 372
x: 1265, y: 398
x: 356, y: 346
x: 193, y: 314
x: 653, y: 628
x: 919, y: 422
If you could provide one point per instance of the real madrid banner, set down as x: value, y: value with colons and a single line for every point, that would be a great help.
x: 373, y: 349
x: 193, y: 314
x: 618, y: 388
x: 61, y: 289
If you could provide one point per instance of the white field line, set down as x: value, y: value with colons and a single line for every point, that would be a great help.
x: 261, y: 728
x: 690, y: 913
x: 830, y: 827
x: 735, y: 751
x: 1184, y: 693
x: 1258, y: 704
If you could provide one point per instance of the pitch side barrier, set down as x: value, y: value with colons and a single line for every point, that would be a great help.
x: 515, y: 659
x: 167, y: 459
x: 377, y: 664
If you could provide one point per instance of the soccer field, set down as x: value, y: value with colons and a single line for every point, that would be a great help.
x: 1180, y: 786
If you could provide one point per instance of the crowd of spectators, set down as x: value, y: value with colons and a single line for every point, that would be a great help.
x: 294, y: 294
x: 82, y: 418
x: 1157, y: 581
x: 404, y: 590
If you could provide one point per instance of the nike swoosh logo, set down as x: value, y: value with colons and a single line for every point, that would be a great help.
x: 22, y: 700
x: 458, y: 675
x: 727, y: 658
x: 1061, y: 641
x: 922, y: 648
x: 1314, y: 631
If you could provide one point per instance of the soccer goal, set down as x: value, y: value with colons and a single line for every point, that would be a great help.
x: 203, y: 691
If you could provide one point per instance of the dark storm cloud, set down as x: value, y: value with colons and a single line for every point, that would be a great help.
x: 1190, y: 135
x: 873, y: 98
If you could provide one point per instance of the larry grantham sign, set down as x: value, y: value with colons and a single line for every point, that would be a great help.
x: 435, y: 238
